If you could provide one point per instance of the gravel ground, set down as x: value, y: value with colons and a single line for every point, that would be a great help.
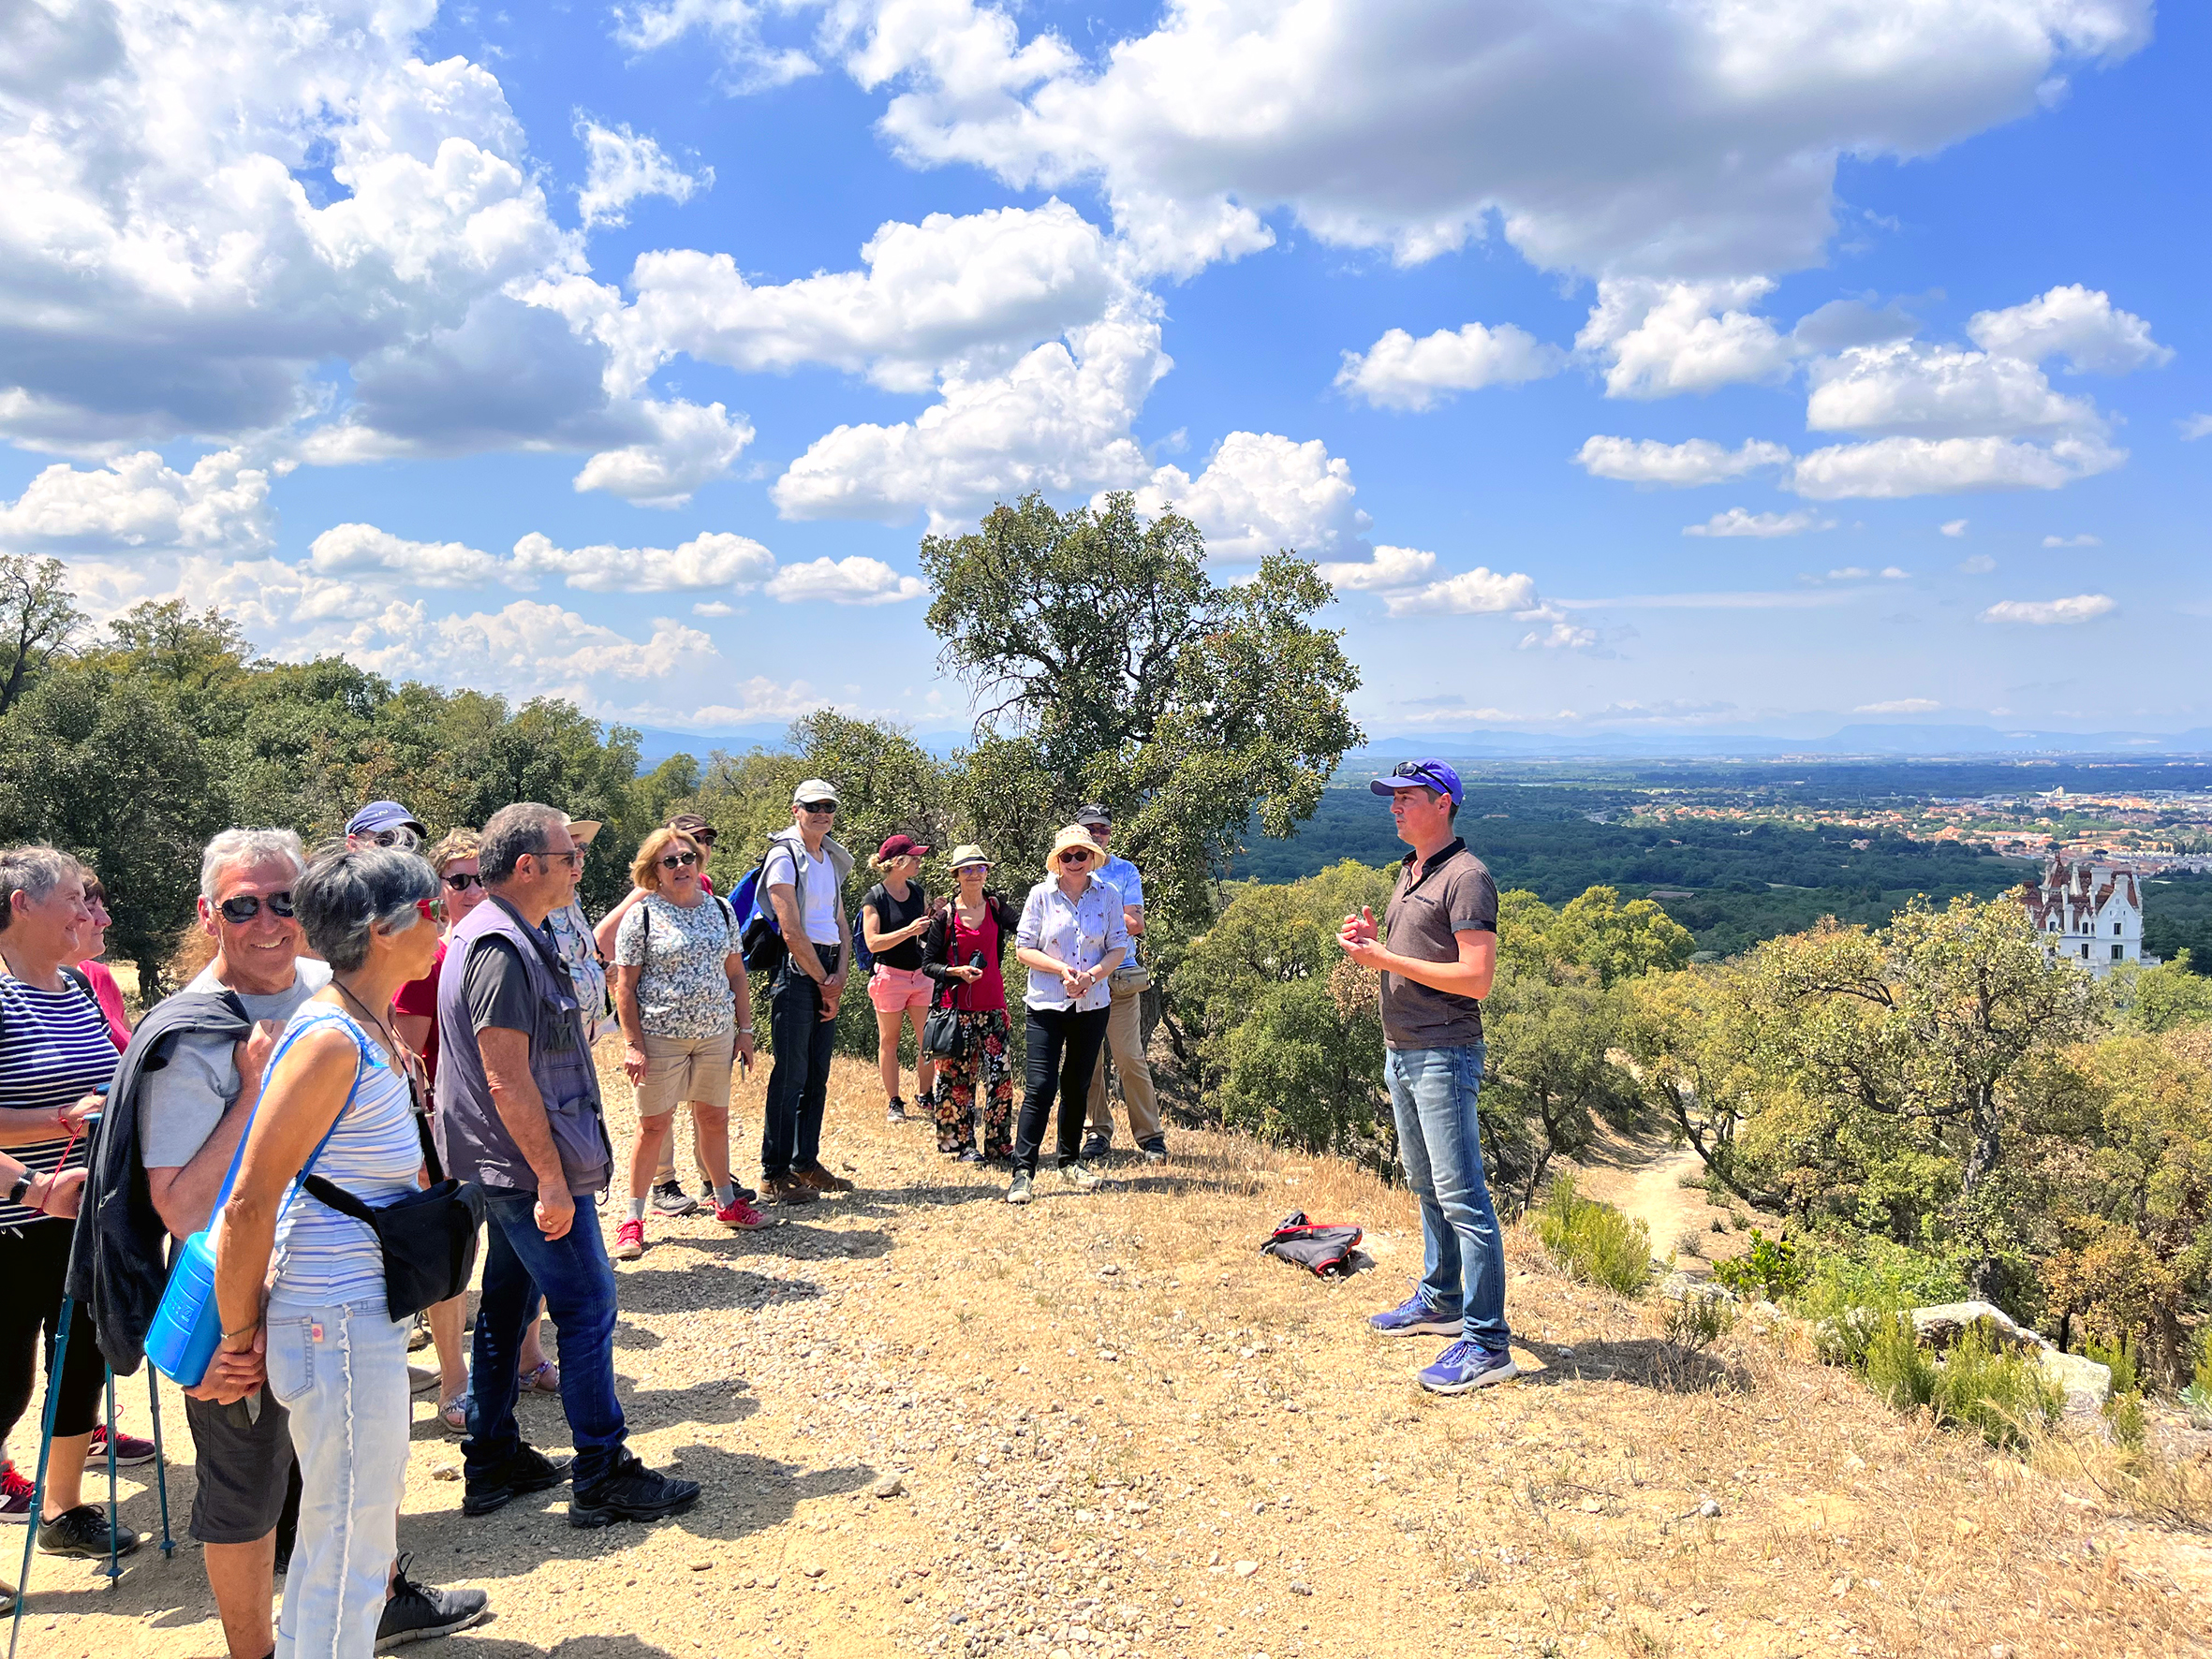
x: 931, y: 1423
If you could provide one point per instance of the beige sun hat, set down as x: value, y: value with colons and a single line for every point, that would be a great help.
x: 1074, y: 835
x: 969, y: 853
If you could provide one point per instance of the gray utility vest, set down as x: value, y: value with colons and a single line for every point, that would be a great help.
x: 833, y: 853
x: 472, y: 1140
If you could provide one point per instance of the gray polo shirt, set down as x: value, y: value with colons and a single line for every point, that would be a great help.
x: 1449, y: 894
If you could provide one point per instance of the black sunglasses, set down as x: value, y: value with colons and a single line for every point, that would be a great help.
x: 1414, y: 769
x: 817, y: 806
x: 246, y: 906
x: 461, y: 882
x: 403, y: 837
x: 679, y: 861
x: 1075, y: 855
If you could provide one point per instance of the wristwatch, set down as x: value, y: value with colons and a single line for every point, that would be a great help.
x: 23, y: 1186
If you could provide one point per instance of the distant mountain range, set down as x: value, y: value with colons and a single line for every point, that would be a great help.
x: 1931, y: 742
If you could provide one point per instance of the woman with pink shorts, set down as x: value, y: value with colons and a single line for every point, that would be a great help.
x: 895, y: 914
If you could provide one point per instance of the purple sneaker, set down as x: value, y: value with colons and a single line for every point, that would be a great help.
x: 1466, y: 1365
x: 1414, y: 1316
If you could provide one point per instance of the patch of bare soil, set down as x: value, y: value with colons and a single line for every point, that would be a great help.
x: 1120, y: 1431
x: 1662, y: 1187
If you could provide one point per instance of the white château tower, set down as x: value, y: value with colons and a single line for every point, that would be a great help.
x: 2088, y: 913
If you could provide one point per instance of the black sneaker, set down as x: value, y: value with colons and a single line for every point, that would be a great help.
x: 1095, y: 1148
x: 671, y: 1198
x: 1155, y: 1150
x: 896, y: 1112
x: 528, y: 1471
x: 83, y: 1531
x: 631, y: 1492
x: 416, y: 1612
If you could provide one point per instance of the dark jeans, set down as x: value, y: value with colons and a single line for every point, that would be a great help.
x: 33, y: 1264
x: 799, y: 1082
x: 578, y: 1283
x: 1063, y: 1050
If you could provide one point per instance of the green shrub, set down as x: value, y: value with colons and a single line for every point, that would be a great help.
x: 1852, y: 1283
x: 1898, y: 1369
x: 1771, y: 1269
x: 2119, y: 1358
x: 2129, y: 1422
x: 2003, y: 1395
x: 1594, y: 1241
x: 1698, y: 1321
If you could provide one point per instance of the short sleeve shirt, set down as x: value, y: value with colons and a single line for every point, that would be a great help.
x: 1120, y: 872
x: 1432, y: 903
x: 681, y: 956
x: 181, y: 1104
x: 1080, y: 933
x: 496, y: 987
x: 781, y: 870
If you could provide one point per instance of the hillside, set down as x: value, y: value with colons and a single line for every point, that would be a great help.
x: 1122, y: 1431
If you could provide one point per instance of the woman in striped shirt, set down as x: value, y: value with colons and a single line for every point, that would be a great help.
x: 56, y: 1057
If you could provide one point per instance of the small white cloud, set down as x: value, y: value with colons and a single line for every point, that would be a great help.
x: 1560, y: 635
x: 2044, y: 614
x: 620, y: 165
x: 1471, y: 592
x: 1977, y: 564
x: 1891, y: 468
x: 1399, y: 371
x: 749, y: 62
x: 1261, y: 492
x: 359, y: 549
x: 1700, y: 460
x: 1935, y: 391
x: 1663, y: 338
x: 714, y: 560
x: 1956, y: 527
x: 844, y: 581
x: 2072, y: 541
x: 1851, y: 573
x: 1741, y: 521
x: 693, y: 445
x: 2193, y: 427
x: 1904, y: 705
x: 1891, y: 573
x: 2073, y: 322
x: 1391, y: 567
x: 715, y: 608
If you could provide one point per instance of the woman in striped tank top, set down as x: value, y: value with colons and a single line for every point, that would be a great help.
x: 55, y: 1054
x: 302, y: 1285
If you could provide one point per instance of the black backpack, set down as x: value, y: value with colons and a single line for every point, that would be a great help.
x: 1323, y: 1250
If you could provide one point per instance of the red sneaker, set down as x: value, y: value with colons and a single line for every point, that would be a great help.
x: 630, y: 1241
x: 15, y: 1495
x: 738, y: 1213
x: 130, y: 1451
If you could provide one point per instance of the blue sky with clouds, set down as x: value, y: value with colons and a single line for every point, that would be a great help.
x: 1750, y: 367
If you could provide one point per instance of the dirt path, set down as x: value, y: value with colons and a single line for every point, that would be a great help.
x: 1644, y: 1177
x: 1122, y: 1431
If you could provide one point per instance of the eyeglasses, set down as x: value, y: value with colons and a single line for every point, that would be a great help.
x: 1415, y: 769
x: 246, y: 906
x: 463, y: 880
x: 573, y: 858
x: 679, y: 861
x: 817, y: 806
x: 1075, y: 855
x: 704, y: 837
x: 432, y: 909
x: 403, y: 838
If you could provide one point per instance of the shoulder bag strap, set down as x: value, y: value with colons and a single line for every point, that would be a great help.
x: 238, y: 1156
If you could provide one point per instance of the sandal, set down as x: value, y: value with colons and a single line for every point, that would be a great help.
x: 455, y: 1414
x: 544, y: 1379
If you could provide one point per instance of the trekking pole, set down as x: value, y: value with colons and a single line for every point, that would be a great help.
x: 114, y: 1570
x: 53, y: 1398
x: 169, y: 1545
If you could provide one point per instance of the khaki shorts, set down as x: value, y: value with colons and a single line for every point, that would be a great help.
x: 684, y: 1068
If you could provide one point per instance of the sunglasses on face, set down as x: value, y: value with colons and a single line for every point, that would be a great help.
x: 679, y: 861
x: 1075, y: 855
x: 818, y: 807
x: 405, y: 839
x: 574, y: 859
x: 462, y: 881
x: 246, y: 906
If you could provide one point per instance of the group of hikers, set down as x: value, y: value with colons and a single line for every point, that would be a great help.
x: 394, y: 1015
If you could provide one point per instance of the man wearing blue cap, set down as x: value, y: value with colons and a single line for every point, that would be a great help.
x: 1442, y: 927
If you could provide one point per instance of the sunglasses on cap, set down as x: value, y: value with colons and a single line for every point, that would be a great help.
x: 817, y: 806
x: 246, y: 906
x: 1414, y: 769
x: 463, y: 880
x: 679, y: 861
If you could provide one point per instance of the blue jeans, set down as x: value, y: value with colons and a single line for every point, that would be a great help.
x: 798, y: 1081
x: 573, y: 1275
x: 341, y: 1371
x: 1432, y: 1094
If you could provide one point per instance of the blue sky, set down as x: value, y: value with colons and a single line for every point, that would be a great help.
x: 1748, y: 367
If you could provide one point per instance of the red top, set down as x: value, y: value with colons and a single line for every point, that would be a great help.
x: 109, y: 996
x: 706, y: 884
x: 990, y: 990
x: 419, y: 996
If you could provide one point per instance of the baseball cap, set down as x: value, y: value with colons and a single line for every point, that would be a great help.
x: 900, y: 846
x: 384, y: 815
x: 815, y: 790
x: 1093, y: 813
x: 1421, y: 774
x: 691, y: 824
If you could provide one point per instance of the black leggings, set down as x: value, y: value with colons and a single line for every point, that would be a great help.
x: 33, y: 1265
x: 1062, y: 1052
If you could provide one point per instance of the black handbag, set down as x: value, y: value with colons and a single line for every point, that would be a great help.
x: 943, y: 1036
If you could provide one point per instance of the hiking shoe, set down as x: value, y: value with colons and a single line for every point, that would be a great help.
x: 420, y: 1337
x: 83, y: 1531
x: 15, y: 1494
x: 1095, y: 1148
x: 1155, y: 1150
x: 740, y: 1214
x: 1017, y: 1190
x: 529, y: 1470
x: 1464, y: 1366
x: 416, y: 1612
x: 631, y: 1492
x: 630, y: 1241
x: 821, y: 1180
x: 968, y: 1155
x: 422, y: 1380
x: 786, y: 1189
x: 130, y: 1451
x: 896, y: 1112
x: 1076, y: 1176
x: 1415, y: 1316
x: 671, y: 1198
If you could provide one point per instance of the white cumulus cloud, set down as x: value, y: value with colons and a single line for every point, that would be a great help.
x: 691, y: 445
x: 364, y: 551
x: 1399, y: 371
x: 1661, y: 338
x: 2044, y: 614
x: 1939, y: 392
x: 1699, y: 461
x: 1741, y: 521
x: 1479, y: 591
x: 1260, y: 491
x: 1890, y: 468
x: 621, y: 166
x: 138, y: 504
x: 1560, y: 635
x: 1954, y: 527
x: 716, y: 560
x: 1391, y: 567
x: 2193, y: 427
x: 844, y: 581
x: 2076, y: 323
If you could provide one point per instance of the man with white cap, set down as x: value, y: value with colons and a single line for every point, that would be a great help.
x: 803, y: 876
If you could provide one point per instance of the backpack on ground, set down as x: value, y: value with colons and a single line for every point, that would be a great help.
x: 1321, y: 1249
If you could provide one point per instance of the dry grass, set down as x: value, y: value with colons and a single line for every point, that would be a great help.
x: 1222, y: 1407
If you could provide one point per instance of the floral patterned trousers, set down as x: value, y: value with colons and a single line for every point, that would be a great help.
x: 984, y: 1063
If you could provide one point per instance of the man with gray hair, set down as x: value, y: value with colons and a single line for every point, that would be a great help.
x: 191, y: 1113
x: 519, y: 1113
